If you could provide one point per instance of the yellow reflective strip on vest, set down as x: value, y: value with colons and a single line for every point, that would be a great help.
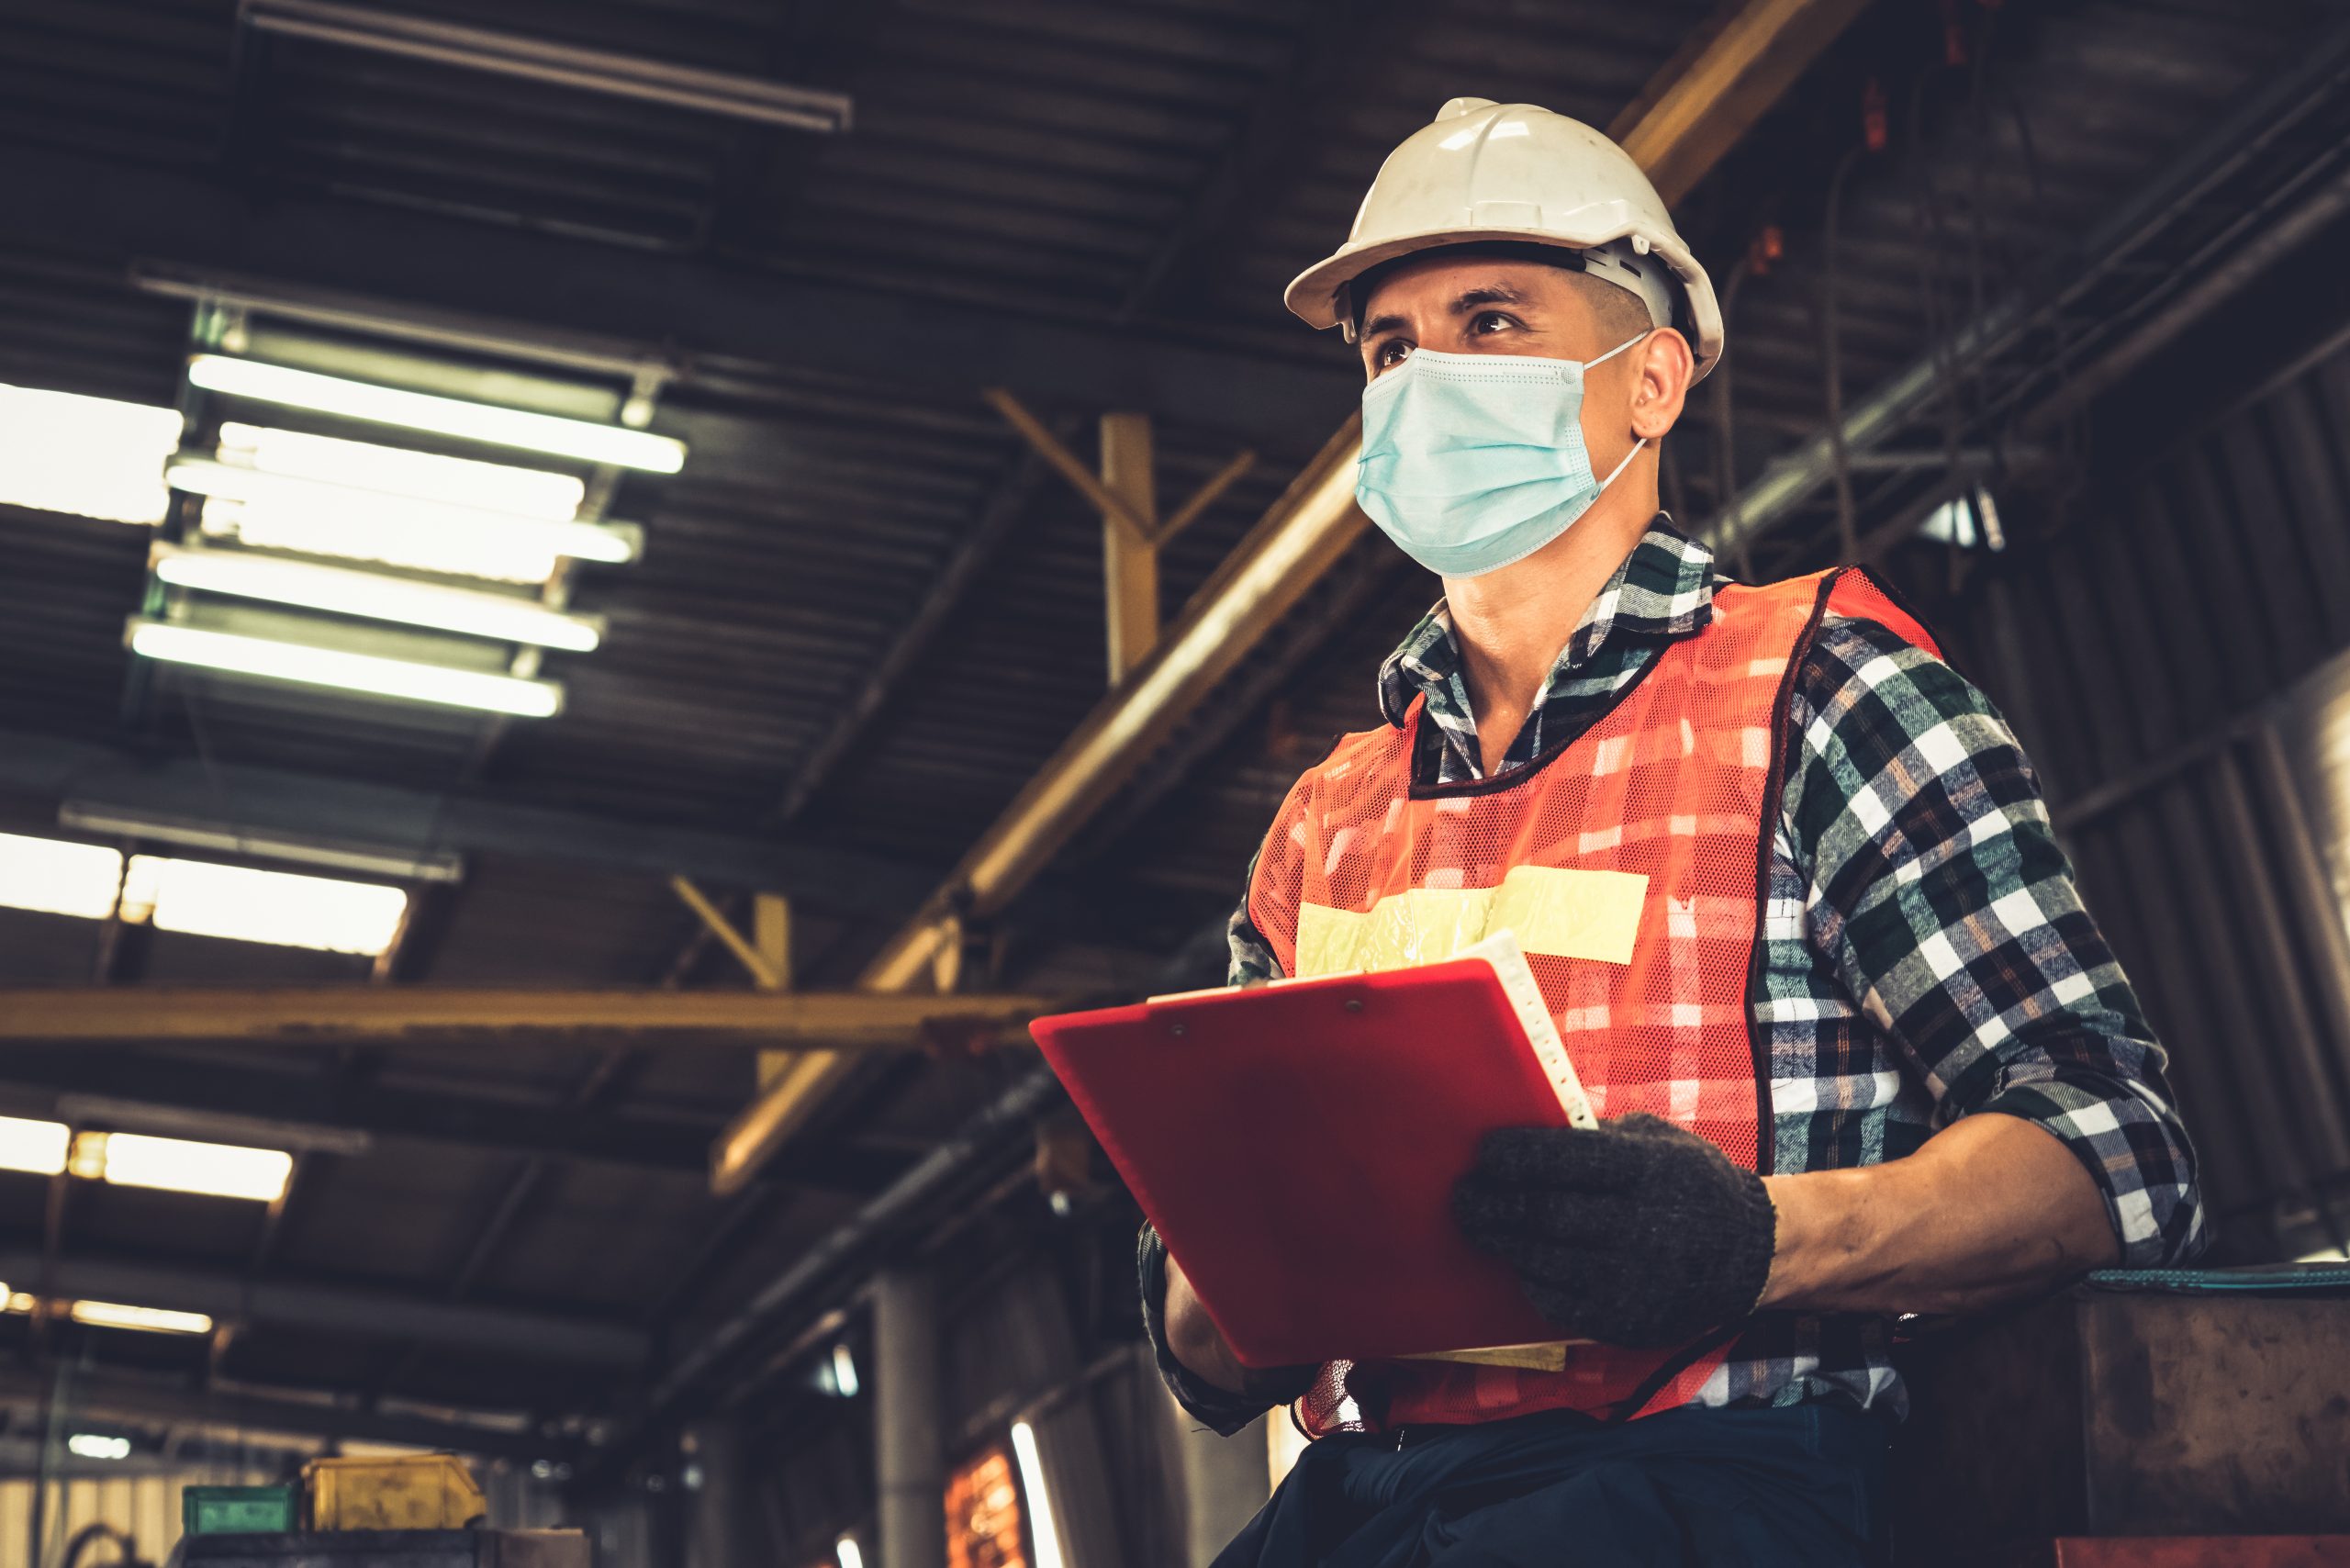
x: 1563, y: 912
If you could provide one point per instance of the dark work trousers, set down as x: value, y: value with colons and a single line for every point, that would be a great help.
x: 1690, y: 1488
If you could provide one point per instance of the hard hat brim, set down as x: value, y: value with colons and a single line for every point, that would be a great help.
x: 1312, y: 296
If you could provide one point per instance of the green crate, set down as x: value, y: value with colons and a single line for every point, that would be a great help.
x: 240, y: 1510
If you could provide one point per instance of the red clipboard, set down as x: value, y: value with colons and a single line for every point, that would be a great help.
x: 1297, y: 1145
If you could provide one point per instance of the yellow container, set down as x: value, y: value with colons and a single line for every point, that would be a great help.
x: 426, y: 1491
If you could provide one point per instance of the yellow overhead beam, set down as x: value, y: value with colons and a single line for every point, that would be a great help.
x: 342, y: 1015
x: 1129, y: 561
x: 766, y: 972
x: 1677, y: 130
x: 1725, y: 77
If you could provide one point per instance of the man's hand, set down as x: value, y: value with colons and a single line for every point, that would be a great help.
x: 1200, y: 1345
x: 1635, y: 1232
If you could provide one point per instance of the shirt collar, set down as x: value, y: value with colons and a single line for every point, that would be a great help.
x: 1663, y: 589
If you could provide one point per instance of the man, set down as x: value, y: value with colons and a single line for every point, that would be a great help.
x: 1870, y: 1055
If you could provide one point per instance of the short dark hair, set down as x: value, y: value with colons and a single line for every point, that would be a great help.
x: 1623, y: 314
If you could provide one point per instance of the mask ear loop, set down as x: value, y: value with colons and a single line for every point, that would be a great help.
x: 1640, y: 442
x: 1619, y: 348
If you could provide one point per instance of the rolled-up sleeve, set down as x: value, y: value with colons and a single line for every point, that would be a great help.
x: 1937, y: 890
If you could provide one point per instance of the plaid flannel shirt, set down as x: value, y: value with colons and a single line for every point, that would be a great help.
x: 1927, y: 956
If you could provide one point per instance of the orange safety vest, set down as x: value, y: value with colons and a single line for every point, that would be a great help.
x: 1632, y: 864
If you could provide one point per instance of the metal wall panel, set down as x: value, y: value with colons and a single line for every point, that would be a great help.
x: 2176, y: 664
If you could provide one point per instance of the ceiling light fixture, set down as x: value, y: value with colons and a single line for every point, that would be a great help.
x: 284, y: 909
x: 468, y: 482
x: 52, y: 876
x: 582, y: 440
x: 87, y: 456
x: 148, y: 1319
x: 182, y: 1165
x: 341, y: 590
x: 306, y: 665
x: 1041, y: 1525
x: 97, y: 1445
x: 316, y: 516
x: 32, y: 1145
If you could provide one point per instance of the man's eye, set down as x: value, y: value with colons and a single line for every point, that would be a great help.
x: 1391, y: 353
x: 1489, y: 322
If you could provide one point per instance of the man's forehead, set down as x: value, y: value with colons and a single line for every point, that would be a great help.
x: 1452, y: 279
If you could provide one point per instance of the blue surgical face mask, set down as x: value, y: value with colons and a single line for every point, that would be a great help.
x: 1473, y: 460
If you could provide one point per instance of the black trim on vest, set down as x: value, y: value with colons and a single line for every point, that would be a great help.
x: 1672, y: 1366
x: 1883, y: 585
x: 1774, y: 788
x: 1510, y: 778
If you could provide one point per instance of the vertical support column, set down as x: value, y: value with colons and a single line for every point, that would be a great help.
x: 721, y: 1524
x: 771, y: 936
x: 1129, y: 560
x: 909, y: 1443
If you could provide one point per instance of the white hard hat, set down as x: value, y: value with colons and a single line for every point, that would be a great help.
x: 1484, y: 172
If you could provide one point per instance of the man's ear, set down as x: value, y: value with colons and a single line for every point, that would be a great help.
x: 1666, y: 368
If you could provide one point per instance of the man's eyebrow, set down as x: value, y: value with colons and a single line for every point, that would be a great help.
x: 1473, y: 299
x: 1487, y: 294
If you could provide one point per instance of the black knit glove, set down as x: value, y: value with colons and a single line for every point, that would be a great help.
x: 1635, y: 1232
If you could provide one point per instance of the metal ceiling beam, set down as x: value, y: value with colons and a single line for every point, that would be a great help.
x: 32, y: 1079
x: 537, y: 1336
x: 1711, y: 98
x: 123, y: 1396
x: 342, y: 1015
x: 508, y: 275
x: 398, y: 819
x: 608, y: 71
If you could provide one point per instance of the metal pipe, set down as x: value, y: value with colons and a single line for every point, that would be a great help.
x: 1307, y: 530
x: 796, y: 1289
x: 2211, y: 159
x: 241, y: 1414
x: 2330, y: 201
x: 569, y: 65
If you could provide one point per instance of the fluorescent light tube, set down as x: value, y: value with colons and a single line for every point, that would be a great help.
x: 89, y: 456
x: 582, y: 440
x: 1041, y: 1528
x: 210, y: 1127
x: 32, y: 1145
x: 341, y: 590
x: 844, y: 1373
x: 232, y: 838
x: 367, y: 672
x: 468, y: 482
x: 57, y: 878
x: 97, y: 1445
x: 182, y: 1165
x: 319, y: 516
x: 153, y: 1320
x: 282, y: 908
x: 846, y: 1553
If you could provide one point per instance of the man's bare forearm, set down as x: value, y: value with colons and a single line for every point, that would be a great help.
x: 1992, y: 1208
